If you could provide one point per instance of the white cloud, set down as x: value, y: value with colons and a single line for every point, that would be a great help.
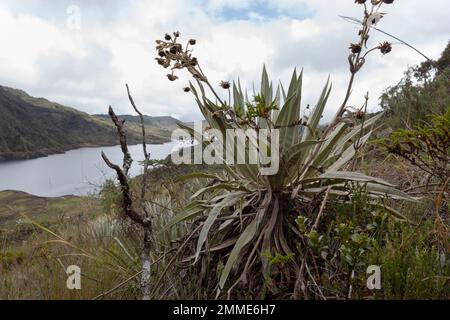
x: 87, y: 69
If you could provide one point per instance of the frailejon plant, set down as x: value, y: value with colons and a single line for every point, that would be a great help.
x: 242, y: 218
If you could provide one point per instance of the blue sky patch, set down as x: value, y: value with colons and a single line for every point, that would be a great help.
x: 265, y: 10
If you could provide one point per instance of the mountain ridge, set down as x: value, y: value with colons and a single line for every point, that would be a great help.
x: 33, y: 127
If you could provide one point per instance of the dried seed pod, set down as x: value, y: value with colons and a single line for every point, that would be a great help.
x: 355, y: 47
x: 175, y: 49
x: 172, y: 77
x: 359, y: 115
x: 385, y: 47
x: 225, y: 85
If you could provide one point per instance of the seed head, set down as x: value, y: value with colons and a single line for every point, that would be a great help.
x: 163, y: 62
x: 186, y: 89
x: 385, y: 47
x: 225, y: 85
x: 388, y: 1
x: 171, y: 53
x: 360, y: 1
x: 359, y: 115
x: 355, y: 47
x: 175, y: 49
x: 172, y: 77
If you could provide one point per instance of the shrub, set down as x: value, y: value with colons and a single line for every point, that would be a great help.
x: 10, y: 257
x: 427, y: 147
x: 424, y: 90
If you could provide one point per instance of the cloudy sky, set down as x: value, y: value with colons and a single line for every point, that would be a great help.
x: 44, y: 53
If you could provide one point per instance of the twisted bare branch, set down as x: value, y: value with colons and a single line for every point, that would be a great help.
x: 142, y: 219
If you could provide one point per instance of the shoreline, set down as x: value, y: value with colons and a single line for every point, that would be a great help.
x: 20, y: 156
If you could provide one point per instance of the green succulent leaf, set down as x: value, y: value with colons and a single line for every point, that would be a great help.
x: 351, y: 176
x: 194, y: 209
x: 228, y: 201
x: 313, y: 121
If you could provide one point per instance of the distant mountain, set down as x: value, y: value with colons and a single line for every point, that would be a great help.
x: 155, y: 126
x: 35, y: 127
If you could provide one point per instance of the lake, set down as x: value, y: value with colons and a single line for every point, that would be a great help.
x: 77, y: 172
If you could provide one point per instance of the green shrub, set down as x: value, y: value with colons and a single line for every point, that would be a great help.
x: 423, y: 91
x: 427, y: 146
x: 412, y: 266
x: 353, y: 237
x: 11, y: 257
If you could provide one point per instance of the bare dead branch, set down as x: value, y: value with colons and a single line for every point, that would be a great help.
x: 127, y: 160
x: 127, y: 202
x: 144, y: 220
x: 146, y: 154
x: 148, y: 232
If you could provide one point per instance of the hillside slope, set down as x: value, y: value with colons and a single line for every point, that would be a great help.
x: 157, y: 127
x: 34, y: 127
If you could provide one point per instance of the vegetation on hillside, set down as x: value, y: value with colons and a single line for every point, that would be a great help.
x: 423, y: 92
x: 35, y: 127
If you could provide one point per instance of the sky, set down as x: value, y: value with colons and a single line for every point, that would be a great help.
x: 82, y: 53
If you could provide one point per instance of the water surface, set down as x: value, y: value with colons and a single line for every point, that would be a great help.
x: 78, y: 172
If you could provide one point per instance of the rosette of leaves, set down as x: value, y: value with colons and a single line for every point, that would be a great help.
x: 243, y: 216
